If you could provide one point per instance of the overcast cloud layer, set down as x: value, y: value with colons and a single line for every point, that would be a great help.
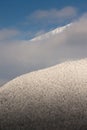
x: 22, y: 56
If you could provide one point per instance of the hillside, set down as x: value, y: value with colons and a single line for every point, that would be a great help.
x: 50, y: 99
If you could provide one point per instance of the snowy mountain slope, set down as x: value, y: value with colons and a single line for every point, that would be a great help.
x: 24, y: 56
x: 49, y: 99
x: 51, y: 33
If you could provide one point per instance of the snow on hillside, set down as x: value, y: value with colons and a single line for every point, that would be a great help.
x: 51, y: 33
x: 48, y: 99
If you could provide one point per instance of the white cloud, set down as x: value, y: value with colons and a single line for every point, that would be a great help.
x: 53, y: 15
x: 18, y: 57
x: 8, y: 33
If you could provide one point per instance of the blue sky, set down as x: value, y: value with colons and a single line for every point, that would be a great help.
x: 15, y: 14
x: 22, y: 20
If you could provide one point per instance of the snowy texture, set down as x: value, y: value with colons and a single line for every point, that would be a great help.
x: 49, y: 99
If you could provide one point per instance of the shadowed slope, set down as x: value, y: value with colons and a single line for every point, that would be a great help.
x: 49, y: 99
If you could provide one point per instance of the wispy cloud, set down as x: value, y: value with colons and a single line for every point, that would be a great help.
x: 6, y: 34
x: 53, y: 15
x: 43, y: 20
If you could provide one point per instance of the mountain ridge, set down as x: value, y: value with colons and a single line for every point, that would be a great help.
x: 50, y: 33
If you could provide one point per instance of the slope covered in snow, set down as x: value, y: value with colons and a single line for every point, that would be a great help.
x: 49, y: 99
x: 51, y: 33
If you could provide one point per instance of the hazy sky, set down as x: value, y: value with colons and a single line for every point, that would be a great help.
x: 22, y: 20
